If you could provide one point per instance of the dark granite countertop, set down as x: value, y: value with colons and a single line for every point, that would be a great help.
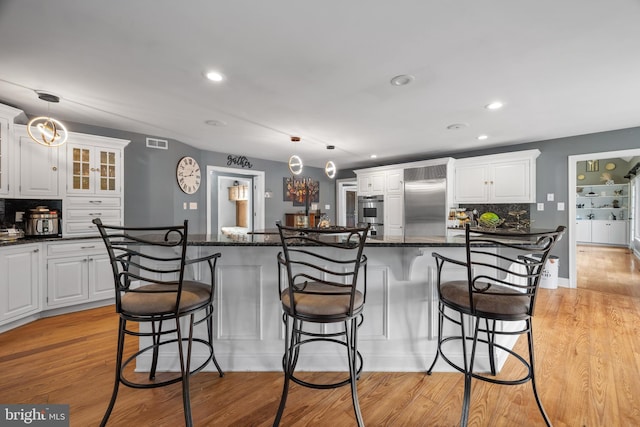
x: 271, y: 238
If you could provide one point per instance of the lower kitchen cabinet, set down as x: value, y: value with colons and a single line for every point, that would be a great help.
x: 19, y: 282
x: 600, y: 231
x: 78, y: 272
x: 583, y: 231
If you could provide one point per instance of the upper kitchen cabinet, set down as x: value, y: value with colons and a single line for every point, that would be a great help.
x: 499, y: 178
x: 94, y: 165
x: 394, y: 182
x: 7, y: 116
x: 371, y: 183
x: 39, y: 171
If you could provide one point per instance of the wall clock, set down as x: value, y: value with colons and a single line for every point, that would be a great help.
x: 188, y: 175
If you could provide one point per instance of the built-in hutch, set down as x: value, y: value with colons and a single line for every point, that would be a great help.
x: 86, y: 174
x: 602, y: 213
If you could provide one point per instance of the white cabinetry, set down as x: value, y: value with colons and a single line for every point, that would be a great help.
x: 583, y: 231
x: 609, y: 232
x: 394, y: 178
x: 39, y: 170
x: 19, y: 281
x: 499, y: 178
x: 93, y: 183
x: 371, y: 184
x: 394, y: 214
x: 78, y: 272
x: 92, y: 168
x: 7, y: 115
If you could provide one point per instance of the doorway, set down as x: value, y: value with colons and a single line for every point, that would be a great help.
x: 256, y: 190
x: 346, y: 203
x: 572, y: 223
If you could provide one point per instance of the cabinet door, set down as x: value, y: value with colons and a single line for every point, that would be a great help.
x: 4, y: 156
x: 377, y: 183
x: 394, y: 215
x: 510, y: 182
x: 364, y: 185
x: 101, y: 285
x: 93, y: 170
x: 471, y: 183
x: 583, y: 231
x: 67, y: 281
x: 394, y: 181
x: 19, y: 281
x: 38, y: 169
x: 599, y: 231
x: 618, y: 232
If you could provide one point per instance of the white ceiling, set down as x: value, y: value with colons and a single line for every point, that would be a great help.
x: 321, y: 70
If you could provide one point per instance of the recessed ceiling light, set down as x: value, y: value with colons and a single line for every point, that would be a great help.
x: 496, y: 105
x: 402, y: 80
x: 216, y: 123
x: 373, y: 156
x: 331, y: 147
x: 214, y: 76
x: 483, y: 137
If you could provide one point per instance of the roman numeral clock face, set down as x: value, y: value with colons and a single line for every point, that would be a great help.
x: 188, y: 175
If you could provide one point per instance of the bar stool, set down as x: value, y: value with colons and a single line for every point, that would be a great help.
x: 503, y: 274
x: 321, y: 286
x: 164, y: 296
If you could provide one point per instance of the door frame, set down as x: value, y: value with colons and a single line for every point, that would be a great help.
x: 342, y: 185
x: 572, y: 168
x: 257, y: 190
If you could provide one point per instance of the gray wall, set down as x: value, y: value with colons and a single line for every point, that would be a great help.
x: 152, y: 196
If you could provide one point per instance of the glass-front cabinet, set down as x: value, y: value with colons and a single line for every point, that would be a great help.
x: 93, y: 170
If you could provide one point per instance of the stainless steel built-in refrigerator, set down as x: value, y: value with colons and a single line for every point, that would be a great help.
x: 425, y: 200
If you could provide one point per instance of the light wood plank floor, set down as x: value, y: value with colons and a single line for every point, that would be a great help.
x: 588, y: 354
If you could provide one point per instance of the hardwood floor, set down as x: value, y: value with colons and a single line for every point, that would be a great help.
x: 588, y: 367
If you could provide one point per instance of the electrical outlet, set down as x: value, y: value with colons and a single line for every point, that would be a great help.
x: 560, y: 206
x: 540, y: 206
x: 327, y: 207
x: 550, y: 197
x: 193, y: 205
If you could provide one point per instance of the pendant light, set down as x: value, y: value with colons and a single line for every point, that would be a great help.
x: 330, y: 168
x: 47, y: 131
x: 295, y: 162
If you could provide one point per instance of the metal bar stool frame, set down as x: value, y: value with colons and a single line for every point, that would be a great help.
x: 485, y: 297
x: 334, y: 278
x: 129, y: 265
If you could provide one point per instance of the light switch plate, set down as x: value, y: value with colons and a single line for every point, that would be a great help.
x: 327, y: 207
x: 550, y: 197
x: 193, y: 205
x: 560, y: 206
x: 540, y: 206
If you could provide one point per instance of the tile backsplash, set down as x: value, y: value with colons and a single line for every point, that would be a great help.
x: 502, y: 210
x: 9, y: 207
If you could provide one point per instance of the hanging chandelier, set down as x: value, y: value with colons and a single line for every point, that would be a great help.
x: 45, y: 130
x: 295, y: 162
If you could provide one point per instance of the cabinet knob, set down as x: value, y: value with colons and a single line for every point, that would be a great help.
x: 36, y: 250
x: 54, y: 168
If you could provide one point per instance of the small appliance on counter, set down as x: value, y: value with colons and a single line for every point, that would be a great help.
x: 10, y: 234
x: 42, y: 222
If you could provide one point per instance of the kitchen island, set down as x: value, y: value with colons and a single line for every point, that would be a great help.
x: 400, y: 315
